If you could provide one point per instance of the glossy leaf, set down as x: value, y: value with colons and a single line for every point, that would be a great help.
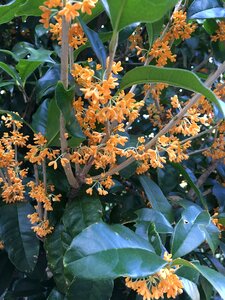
x: 206, y: 9
x: 15, y: 226
x: 90, y: 290
x: 187, y: 233
x: 116, y: 250
x: 64, y: 100
x: 81, y: 213
x: 147, y: 215
x: 191, y: 289
x: 11, y: 72
x: 156, y: 197
x: 176, y: 77
x: 96, y: 43
x: 123, y: 12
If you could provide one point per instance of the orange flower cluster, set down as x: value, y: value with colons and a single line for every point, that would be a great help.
x: 220, y: 32
x: 2, y: 245
x: 43, y: 199
x: 217, y: 150
x: 136, y: 39
x: 216, y: 220
x: 161, y: 49
x: 70, y: 11
x: 99, y: 114
x: 156, y: 286
x: 11, y: 175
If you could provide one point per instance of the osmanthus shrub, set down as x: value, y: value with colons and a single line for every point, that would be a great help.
x: 112, y: 149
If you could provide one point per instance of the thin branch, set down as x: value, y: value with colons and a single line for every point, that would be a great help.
x: 39, y: 204
x: 198, y: 151
x: 199, y: 135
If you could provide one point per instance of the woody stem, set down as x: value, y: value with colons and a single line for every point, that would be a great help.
x: 64, y: 78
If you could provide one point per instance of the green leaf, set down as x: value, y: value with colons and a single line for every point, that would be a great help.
x: 147, y: 215
x: 214, y: 278
x: 11, y: 72
x: 206, y: 9
x: 96, y: 43
x: 54, y: 251
x: 156, y: 197
x: 8, y: 11
x: 80, y: 214
x: 26, y: 68
x: 189, y: 180
x: 187, y: 233
x: 115, y: 250
x: 154, y: 30
x: 172, y: 76
x: 40, y: 55
x: 64, y: 99
x: 30, y: 8
x: 125, y: 12
x: 191, y: 289
x: 39, y: 118
x: 19, y: 239
x: 90, y: 289
x: 212, y: 236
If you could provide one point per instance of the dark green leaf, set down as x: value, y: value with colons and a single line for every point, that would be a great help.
x: 64, y: 99
x: 115, y: 250
x: 20, y: 241
x: 6, y: 271
x: 11, y: 72
x: 206, y: 9
x: 162, y: 225
x: 154, y: 30
x: 55, y: 251
x: 81, y: 213
x: 96, y: 43
x: 176, y: 77
x: 123, y: 12
x: 187, y: 233
x: 90, y: 290
x: 156, y: 198
x: 39, y: 118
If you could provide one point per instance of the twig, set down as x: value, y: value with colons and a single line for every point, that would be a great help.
x: 39, y: 204
x: 198, y: 151
x: 199, y: 135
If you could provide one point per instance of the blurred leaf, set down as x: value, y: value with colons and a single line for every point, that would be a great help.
x: 116, y: 250
x: 19, y: 239
x: 64, y: 99
x: 84, y: 289
x: 219, y: 192
x: 96, y: 43
x: 206, y: 9
x: 172, y: 76
x: 156, y: 198
x: 187, y: 233
x: 191, y: 289
x: 122, y: 13
x: 81, y: 213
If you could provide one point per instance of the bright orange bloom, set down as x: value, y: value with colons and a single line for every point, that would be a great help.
x: 87, y: 6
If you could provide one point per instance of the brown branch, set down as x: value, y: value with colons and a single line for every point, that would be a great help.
x: 64, y: 78
x: 39, y: 204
